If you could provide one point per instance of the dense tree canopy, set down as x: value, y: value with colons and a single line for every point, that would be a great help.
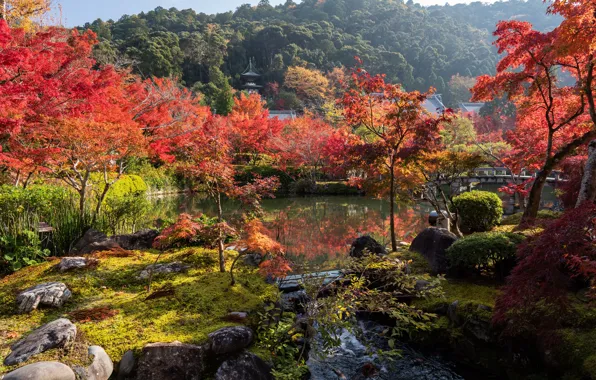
x: 415, y: 46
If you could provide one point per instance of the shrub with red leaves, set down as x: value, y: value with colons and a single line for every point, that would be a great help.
x: 190, y: 230
x: 573, y: 167
x: 536, y: 295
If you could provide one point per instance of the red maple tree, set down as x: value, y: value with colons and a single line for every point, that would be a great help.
x: 393, y: 128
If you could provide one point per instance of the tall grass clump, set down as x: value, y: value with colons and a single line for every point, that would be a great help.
x: 24, y: 211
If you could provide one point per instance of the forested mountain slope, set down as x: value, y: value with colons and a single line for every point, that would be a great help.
x: 413, y: 45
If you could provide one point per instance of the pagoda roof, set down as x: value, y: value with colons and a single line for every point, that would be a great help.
x: 250, y: 70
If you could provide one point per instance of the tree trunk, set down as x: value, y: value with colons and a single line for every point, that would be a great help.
x: 535, y: 196
x: 240, y: 254
x: 392, y: 211
x: 587, y: 190
x: 220, y: 242
x: 26, y: 183
x: 100, y: 201
x: 83, y: 194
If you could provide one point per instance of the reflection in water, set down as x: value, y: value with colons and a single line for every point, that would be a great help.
x: 315, y: 231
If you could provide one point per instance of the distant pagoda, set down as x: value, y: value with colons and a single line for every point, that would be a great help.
x: 250, y: 78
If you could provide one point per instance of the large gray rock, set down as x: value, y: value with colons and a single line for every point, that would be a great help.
x: 157, y: 269
x: 165, y: 361
x: 432, y: 243
x: 101, y: 367
x: 230, y: 339
x: 57, y: 333
x: 41, y: 371
x: 142, y: 239
x: 52, y: 294
x: 93, y: 241
x: 366, y: 245
x: 76, y: 262
x: 244, y: 366
x: 127, y: 365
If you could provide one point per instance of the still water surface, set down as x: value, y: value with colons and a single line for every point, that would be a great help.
x: 317, y: 231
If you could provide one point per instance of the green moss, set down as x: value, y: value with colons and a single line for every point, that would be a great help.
x: 578, y: 351
x: 201, y: 299
x: 462, y: 291
x: 418, y: 264
x: 515, y: 219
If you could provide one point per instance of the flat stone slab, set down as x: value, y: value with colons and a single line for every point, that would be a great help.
x: 296, y: 281
x: 57, y: 333
x: 52, y: 294
x: 41, y: 371
x: 75, y: 262
x: 157, y: 269
x: 230, y: 339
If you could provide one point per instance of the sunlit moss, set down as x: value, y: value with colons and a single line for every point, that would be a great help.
x: 200, y: 300
x: 418, y: 264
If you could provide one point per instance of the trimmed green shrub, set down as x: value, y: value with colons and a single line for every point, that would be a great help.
x: 484, y: 252
x: 125, y: 205
x: 478, y: 211
x: 157, y: 179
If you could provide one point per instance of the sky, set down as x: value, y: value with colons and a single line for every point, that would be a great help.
x: 78, y: 12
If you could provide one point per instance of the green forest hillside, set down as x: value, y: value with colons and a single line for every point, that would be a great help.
x: 413, y: 45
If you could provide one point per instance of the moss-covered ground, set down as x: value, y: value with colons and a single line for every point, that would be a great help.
x: 109, y: 304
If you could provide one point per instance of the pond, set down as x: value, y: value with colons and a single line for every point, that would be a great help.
x: 317, y: 231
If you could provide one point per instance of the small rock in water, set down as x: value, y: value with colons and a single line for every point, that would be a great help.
x: 366, y: 245
x: 126, y: 365
x: 294, y: 301
x: 175, y: 267
x: 41, y: 371
x: 51, y: 335
x: 52, y: 294
x: 68, y: 263
x: 100, y: 369
x: 244, y: 366
x: 230, y: 339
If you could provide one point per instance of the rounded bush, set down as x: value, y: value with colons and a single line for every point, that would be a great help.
x: 478, y: 211
x: 484, y: 251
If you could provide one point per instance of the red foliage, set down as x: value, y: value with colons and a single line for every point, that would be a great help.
x: 257, y: 242
x: 303, y: 143
x: 252, y: 129
x: 573, y: 168
x: 48, y: 84
x: 536, y: 294
x: 190, y: 230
